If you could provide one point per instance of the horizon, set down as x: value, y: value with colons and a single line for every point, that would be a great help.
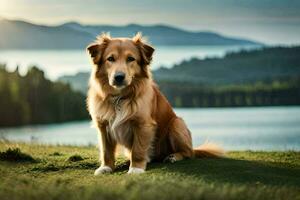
x: 256, y: 20
x: 153, y: 24
x: 138, y: 24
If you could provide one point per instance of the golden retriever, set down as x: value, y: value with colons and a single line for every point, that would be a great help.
x: 128, y: 109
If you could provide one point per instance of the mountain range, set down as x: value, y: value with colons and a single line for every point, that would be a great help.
x: 16, y: 34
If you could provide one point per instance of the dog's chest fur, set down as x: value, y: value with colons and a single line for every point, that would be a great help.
x: 122, y: 116
x: 118, y: 115
x: 120, y: 126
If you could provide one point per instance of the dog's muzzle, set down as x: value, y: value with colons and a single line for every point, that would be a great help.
x: 119, y: 79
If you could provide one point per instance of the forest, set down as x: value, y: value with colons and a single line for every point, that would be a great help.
x: 32, y: 99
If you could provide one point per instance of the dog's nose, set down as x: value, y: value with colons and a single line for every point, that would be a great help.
x: 119, y: 77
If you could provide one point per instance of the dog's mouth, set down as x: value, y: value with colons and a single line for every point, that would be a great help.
x: 119, y: 85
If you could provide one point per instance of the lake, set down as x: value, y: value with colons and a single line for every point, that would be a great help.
x: 61, y: 62
x: 259, y: 128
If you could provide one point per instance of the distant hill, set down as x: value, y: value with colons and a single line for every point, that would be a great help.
x: 24, y: 35
x: 235, y: 68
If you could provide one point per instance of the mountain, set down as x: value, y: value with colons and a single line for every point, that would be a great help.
x: 245, y: 67
x: 17, y: 34
x: 24, y: 35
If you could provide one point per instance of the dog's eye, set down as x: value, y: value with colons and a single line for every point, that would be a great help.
x: 111, y: 59
x: 130, y: 59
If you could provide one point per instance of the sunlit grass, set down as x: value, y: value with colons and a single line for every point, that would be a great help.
x: 66, y: 172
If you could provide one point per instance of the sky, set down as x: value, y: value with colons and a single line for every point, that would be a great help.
x: 268, y: 21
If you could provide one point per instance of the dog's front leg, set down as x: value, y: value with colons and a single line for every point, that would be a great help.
x: 141, y: 148
x: 107, y: 151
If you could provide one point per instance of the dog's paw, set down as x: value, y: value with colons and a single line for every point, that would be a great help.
x: 135, y: 170
x: 170, y: 158
x: 103, y: 170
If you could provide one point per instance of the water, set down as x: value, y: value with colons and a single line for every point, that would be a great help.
x: 261, y: 128
x: 60, y: 62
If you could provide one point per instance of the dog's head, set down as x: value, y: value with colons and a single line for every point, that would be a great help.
x: 120, y: 60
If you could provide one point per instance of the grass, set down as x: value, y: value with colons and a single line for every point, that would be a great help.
x: 15, y: 155
x: 66, y: 172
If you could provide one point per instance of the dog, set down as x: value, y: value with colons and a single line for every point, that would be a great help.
x: 128, y: 108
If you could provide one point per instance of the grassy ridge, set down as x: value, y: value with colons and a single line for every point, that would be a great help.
x: 65, y: 172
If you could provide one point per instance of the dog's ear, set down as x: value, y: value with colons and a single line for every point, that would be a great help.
x: 97, y: 48
x: 94, y: 51
x: 145, y: 49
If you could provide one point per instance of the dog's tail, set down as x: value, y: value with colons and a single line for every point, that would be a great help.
x: 209, y: 150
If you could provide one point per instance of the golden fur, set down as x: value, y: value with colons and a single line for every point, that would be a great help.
x: 135, y: 115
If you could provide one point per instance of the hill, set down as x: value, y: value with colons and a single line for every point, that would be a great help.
x: 24, y: 35
x: 236, y: 68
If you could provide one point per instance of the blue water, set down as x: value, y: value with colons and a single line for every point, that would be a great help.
x: 260, y: 128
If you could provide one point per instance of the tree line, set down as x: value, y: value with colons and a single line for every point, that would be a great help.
x: 277, y: 92
x: 33, y: 99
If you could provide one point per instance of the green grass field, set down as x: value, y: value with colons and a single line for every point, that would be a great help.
x: 66, y: 172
